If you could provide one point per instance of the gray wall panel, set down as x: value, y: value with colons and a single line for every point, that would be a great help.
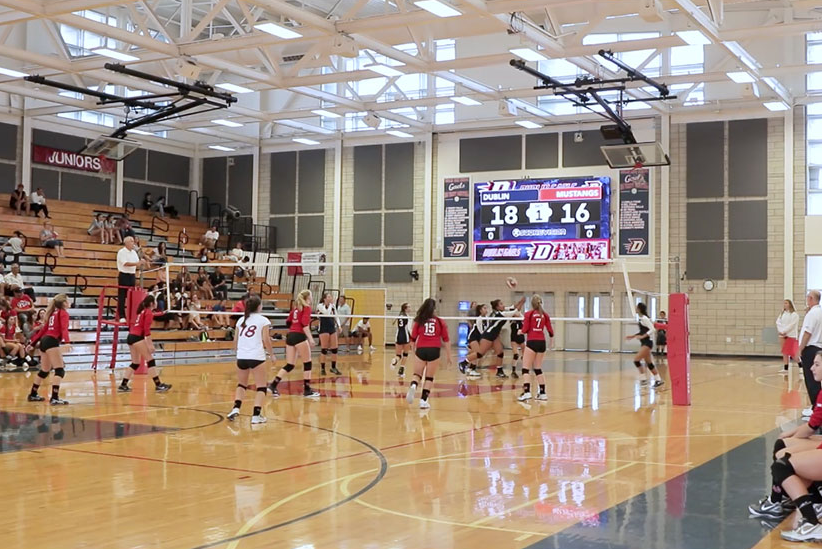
x: 134, y: 191
x: 706, y: 159
x: 748, y: 220
x: 240, y: 183
x: 310, y: 231
x: 8, y: 179
x: 85, y: 188
x: 48, y: 179
x: 58, y: 140
x: 368, y: 177
x: 366, y: 274
x: 283, y: 182
x: 8, y: 141
x: 586, y: 153
x: 214, y: 174
x: 134, y: 166
x: 171, y: 169
x: 705, y: 260
x: 285, y: 231
x: 748, y: 157
x: 541, y: 150
x: 179, y: 198
x: 706, y: 221
x: 311, y: 186
x: 367, y: 230
x: 399, y: 229
x: 486, y: 154
x: 748, y: 260
x: 398, y: 273
x: 399, y: 176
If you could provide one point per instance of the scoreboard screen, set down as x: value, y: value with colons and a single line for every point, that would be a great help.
x: 543, y: 220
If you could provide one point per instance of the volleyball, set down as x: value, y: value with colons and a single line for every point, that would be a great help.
x: 511, y: 282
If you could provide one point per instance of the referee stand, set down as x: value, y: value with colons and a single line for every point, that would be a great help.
x: 134, y: 296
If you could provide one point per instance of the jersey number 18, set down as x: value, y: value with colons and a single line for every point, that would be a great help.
x: 248, y: 331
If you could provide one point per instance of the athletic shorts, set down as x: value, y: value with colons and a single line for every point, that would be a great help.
x: 402, y: 338
x: 48, y: 342
x: 646, y: 342
x: 132, y: 339
x: 536, y: 345
x: 474, y: 336
x: 428, y: 354
x: 662, y: 339
x: 328, y: 326
x: 490, y: 337
x: 295, y: 338
x: 517, y: 338
x: 248, y: 364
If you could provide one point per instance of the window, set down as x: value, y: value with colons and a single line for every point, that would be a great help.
x: 814, y: 129
x: 814, y: 272
x: 90, y: 117
x: 81, y: 42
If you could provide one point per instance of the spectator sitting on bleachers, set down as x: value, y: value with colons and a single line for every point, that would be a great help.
x: 15, y: 280
x: 112, y: 226
x: 16, y: 343
x: 124, y: 227
x: 22, y: 305
x: 19, y: 200
x: 241, y: 272
x: 5, y: 309
x: 218, y: 285
x: 202, y: 255
x: 193, y: 320
x: 203, y: 285
x: 49, y: 239
x: 16, y: 246
x: 31, y: 326
x: 98, y: 226
x: 219, y: 320
x: 210, y: 238
x: 38, y: 203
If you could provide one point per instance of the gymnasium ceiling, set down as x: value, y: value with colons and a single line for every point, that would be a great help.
x: 287, y: 79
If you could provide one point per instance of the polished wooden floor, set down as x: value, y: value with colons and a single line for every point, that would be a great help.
x: 360, y: 467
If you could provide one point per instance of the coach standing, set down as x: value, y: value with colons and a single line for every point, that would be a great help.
x: 810, y: 344
x: 127, y: 263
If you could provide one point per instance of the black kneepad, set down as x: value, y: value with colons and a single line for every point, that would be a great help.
x: 778, y: 445
x: 134, y: 367
x: 263, y: 389
x: 334, y: 351
x: 638, y: 364
x: 324, y: 351
x: 241, y: 386
x: 525, y: 371
x: 516, y: 356
x: 60, y: 372
x: 288, y: 367
x: 151, y: 363
x: 651, y: 366
x: 537, y: 371
x: 307, y: 366
x: 42, y: 374
x: 429, y: 378
x: 501, y: 355
x: 782, y: 469
x: 405, y: 355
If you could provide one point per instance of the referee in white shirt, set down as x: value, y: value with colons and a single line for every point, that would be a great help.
x: 127, y: 263
x: 810, y: 343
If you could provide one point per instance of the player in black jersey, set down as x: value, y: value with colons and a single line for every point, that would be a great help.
x: 490, y: 338
x: 402, y: 342
x: 517, y: 343
x: 646, y: 342
x: 329, y: 330
x: 478, y: 310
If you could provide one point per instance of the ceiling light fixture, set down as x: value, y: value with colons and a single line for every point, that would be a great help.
x: 279, y: 31
x: 305, y: 141
x: 776, y: 106
x: 140, y: 132
x: 114, y: 54
x: 397, y: 133
x: 234, y: 88
x: 693, y: 38
x: 323, y: 112
x: 466, y: 101
x: 528, y: 124
x: 741, y: 77
x: 384, y: 70
x: 12, y: 73
x: 437, y: 8
x: 528, y: 54
x: 221, y: 148
x: 227, y: 123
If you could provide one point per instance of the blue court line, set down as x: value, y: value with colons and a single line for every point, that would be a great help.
x: 704, y: 508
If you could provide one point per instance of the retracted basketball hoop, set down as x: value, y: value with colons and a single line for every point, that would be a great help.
x: 635, y: 156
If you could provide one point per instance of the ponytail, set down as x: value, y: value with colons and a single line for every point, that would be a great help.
x: 145, y: 303
x: 252, y: 305
x: 536, y: 304
x: 59, y: 302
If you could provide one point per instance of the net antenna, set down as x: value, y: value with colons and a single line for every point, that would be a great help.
x: 586, y: 92
x: 180, y: 100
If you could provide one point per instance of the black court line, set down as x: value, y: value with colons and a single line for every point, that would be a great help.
x: 706, y: 507
x: 380, y: 474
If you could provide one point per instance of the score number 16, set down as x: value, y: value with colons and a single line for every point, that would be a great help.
x: 540, y: 212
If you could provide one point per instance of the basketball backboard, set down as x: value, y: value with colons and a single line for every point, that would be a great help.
x: 635, y: 155
x: 111, y: 147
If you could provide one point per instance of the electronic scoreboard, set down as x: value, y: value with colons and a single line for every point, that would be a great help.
x: 550, y: 220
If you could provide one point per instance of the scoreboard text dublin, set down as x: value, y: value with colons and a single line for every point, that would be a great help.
x: 553, y: 220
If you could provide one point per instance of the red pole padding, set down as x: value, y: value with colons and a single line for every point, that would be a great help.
x: 135, y: 297
x: 679, y: 350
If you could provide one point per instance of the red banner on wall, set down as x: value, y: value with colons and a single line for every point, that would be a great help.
x: 72, y: 160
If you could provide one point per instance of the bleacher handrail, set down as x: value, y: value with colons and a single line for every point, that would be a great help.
x: 46, y: 264
x: 156, y: 223
x: 82, y: 287
x: 128, y: 208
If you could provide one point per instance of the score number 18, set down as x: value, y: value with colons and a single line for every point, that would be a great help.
x: 541, y: 212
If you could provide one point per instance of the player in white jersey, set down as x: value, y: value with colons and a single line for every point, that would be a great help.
x: 402, y: 343
x: 329, y: 328
x: 253, y: 348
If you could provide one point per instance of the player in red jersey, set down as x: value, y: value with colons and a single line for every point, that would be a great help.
x: 428, y: 334
x: 534, y: 326
x: 141, y: 347
x: 51, y: 335
x: 298, y: 343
